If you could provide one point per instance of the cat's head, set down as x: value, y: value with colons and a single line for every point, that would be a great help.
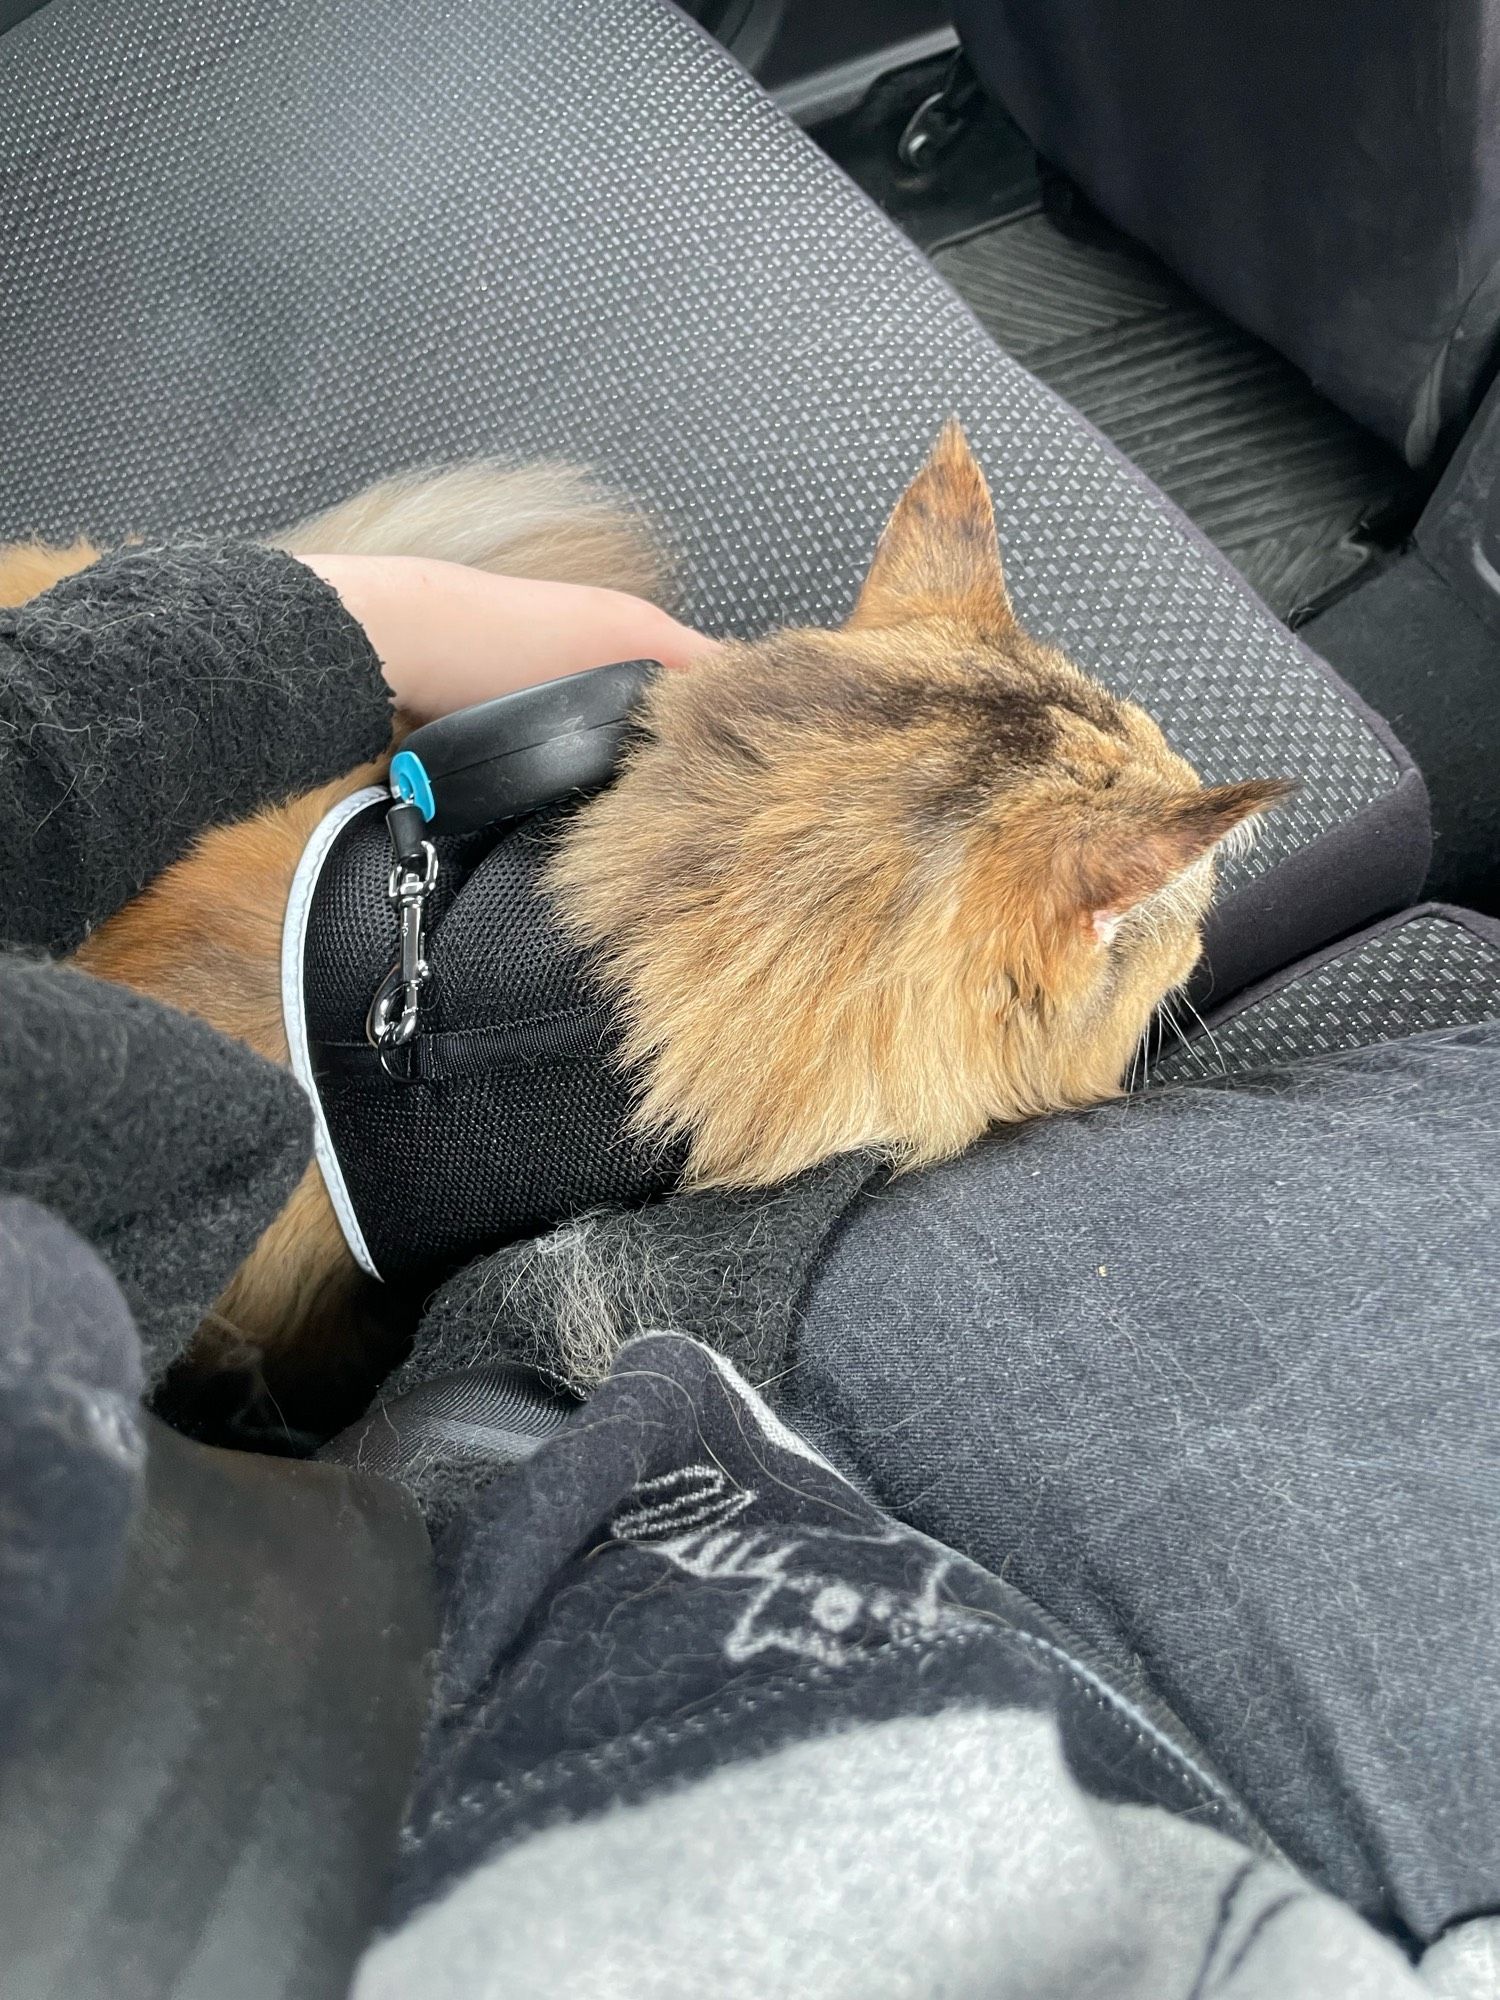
x: 887, y: 885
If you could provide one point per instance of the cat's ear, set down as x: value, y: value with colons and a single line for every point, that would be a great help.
x: 1119, y: 859
x: 939, y: 553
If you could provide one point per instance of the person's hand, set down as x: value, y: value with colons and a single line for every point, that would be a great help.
x: 448, y: 636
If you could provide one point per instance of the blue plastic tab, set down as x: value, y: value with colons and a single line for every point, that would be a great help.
x: 409, y: 781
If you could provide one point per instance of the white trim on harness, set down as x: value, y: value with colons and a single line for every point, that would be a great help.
x: 294, y: 1006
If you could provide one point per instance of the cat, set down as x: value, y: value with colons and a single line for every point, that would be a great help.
x: 887, y: 885
x: 880, y: 886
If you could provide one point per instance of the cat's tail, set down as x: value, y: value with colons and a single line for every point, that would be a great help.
x: 548, y: 521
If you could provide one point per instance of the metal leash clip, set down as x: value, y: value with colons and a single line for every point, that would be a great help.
x: 391, y: 1024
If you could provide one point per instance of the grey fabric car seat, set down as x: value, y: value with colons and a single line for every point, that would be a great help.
x: 253, y: 255
x: 1425, y: 970
x: 1326, y: 174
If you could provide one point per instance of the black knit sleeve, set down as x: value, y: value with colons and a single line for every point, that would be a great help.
x: 157, y: 693
x: 167, y: 1146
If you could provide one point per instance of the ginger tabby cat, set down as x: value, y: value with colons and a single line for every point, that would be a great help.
x: 881, y: 886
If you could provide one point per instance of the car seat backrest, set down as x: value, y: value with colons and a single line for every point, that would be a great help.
x: 1325, y: 174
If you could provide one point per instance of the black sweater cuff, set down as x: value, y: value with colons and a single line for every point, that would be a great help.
x: 160, y: 692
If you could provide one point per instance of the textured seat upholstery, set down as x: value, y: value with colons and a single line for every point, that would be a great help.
x: 1326, y: 174
x: 1427, y: 969
x: 252, y: 255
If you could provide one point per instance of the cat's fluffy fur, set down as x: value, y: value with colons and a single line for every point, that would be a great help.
x: 887, y: 885
x: 874, y: 887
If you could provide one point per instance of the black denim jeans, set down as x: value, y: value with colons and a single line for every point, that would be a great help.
x: 1213, y: 1375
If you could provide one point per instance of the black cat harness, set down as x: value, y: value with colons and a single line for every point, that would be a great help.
x: 458, y: 1053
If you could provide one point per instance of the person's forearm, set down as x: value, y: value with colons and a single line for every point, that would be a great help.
x: 167, y: 1146
x: 449, y: 636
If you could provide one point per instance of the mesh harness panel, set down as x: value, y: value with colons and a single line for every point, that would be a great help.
x: 518, y: 1114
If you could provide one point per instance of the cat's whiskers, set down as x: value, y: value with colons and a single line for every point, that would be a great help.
x: 1206, y: 1035
x: 1170, y: 1015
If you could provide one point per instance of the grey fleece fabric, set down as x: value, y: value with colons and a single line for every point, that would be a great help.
x: 1466, y: 1962
x: 928, y: 1858
x: 153, y: 695
x: 165, y: 1145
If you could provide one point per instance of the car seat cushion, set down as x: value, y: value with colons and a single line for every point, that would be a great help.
x: 559, y: 229
x: 1428, y: 968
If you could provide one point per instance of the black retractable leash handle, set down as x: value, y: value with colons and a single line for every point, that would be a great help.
x: 503, y: 759
x: 522, y: 751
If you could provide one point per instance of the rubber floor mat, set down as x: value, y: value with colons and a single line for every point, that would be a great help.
x: 1295, y: 494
